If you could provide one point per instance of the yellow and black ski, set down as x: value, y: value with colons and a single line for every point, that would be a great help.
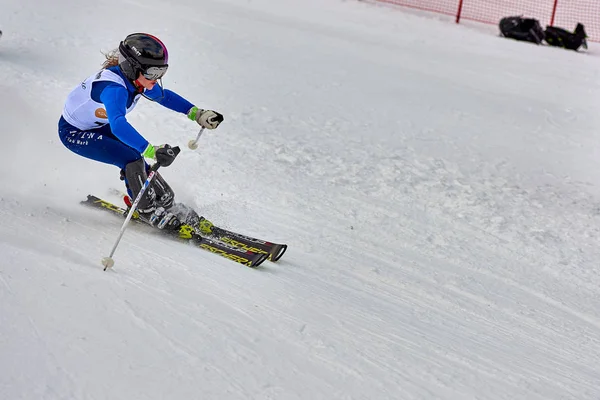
x: 273, y: 250
x: 230, y: 251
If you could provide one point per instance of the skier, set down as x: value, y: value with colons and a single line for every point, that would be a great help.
x: 94, y: 124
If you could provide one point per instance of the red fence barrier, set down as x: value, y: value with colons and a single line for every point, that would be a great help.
x: 562, y: 13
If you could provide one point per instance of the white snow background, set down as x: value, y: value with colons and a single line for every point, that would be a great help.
x: 438, y: 187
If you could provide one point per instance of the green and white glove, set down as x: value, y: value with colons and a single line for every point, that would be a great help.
x: 208, y: 119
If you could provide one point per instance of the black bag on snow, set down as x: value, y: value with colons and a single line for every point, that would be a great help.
x: 524, y: 29
x: 560, y: 37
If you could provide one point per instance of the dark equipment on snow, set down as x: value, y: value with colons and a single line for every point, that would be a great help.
x: 523, y: 29
x: 560, y: 37
x: 529, y: 30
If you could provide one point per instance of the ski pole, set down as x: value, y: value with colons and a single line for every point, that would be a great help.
x: 193, y: 144
x: 108, y: 262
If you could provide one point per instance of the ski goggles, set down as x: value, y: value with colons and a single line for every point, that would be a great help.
x: 155, y: 73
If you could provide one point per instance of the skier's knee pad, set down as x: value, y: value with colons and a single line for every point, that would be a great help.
x: 164, y: 194
x: 135, y: 176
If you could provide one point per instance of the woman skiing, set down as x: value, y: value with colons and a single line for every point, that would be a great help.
x: 94, y: 124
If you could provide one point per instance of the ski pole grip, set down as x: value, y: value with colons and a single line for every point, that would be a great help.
x: 157, y: 165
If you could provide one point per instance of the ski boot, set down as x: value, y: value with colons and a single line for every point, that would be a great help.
x: 184, y: 215
x: 161, y: 218
x: 188, y: 216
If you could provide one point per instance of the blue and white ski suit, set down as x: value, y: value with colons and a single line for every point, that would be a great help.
x: 94, y: 124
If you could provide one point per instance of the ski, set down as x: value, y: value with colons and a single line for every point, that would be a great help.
x: 273, y: 250
x: 187, y: 232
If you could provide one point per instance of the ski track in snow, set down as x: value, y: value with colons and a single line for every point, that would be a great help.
x: 436, y: 186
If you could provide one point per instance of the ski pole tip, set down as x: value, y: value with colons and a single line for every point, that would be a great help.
x: 108, y: 262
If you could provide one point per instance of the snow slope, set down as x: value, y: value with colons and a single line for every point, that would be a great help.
x: 437, y: 186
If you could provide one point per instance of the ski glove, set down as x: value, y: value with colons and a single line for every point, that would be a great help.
x: 205, y: 118
x: 163, y: 154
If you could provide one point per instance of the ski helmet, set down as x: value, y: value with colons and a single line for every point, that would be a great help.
x: 145, y: 54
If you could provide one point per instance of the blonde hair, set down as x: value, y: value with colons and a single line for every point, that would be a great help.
x: 112, y: 58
